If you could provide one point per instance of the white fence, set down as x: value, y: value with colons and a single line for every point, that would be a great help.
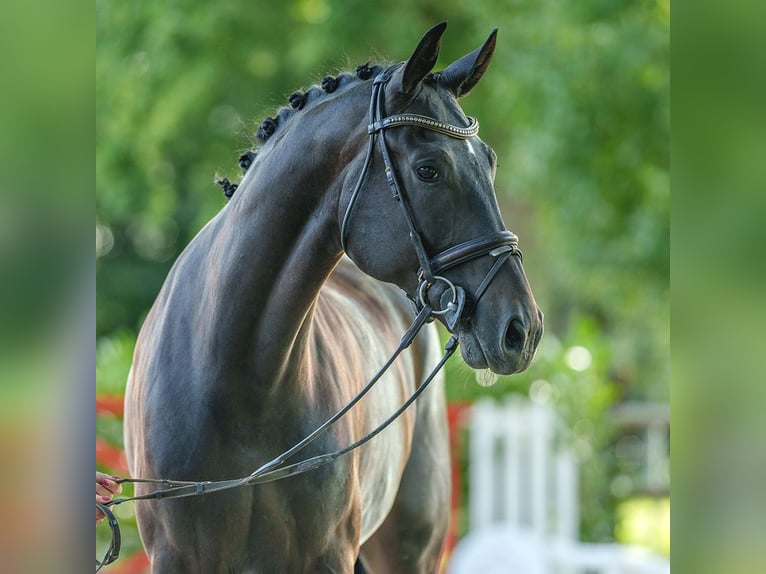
x: 523, y: 501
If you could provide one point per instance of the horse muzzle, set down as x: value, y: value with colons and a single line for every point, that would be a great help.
x: 512, y: 347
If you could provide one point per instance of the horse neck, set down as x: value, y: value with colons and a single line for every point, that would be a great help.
x: 271, y: 249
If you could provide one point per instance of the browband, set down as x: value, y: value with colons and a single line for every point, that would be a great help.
x: 428, y: 123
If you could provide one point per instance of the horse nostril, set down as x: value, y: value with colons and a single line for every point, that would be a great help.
x: 516, y: 335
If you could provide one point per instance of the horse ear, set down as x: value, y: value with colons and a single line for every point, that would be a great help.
x: 462, y: 75
x: 423, y: 59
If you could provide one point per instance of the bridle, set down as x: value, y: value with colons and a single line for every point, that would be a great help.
x: 500, y: 245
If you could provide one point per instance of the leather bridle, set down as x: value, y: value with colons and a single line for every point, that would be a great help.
x: 499, y: 245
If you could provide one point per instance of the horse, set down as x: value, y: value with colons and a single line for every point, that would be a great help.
x: 368, y: 196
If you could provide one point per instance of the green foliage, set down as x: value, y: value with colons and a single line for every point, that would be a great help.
x: 575, y: 104
x: 113, y: 357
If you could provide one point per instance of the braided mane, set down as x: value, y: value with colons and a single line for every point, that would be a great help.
x: 297, y: 101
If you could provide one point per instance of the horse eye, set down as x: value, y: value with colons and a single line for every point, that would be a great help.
x: 427, y: 173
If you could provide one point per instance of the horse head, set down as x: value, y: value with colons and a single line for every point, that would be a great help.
x: 424, y: 214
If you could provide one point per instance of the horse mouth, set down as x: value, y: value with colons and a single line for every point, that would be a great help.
x: 498, y: 359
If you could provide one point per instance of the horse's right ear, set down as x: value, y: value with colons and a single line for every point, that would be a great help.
x: 423, y: 59
x: 461, y: 76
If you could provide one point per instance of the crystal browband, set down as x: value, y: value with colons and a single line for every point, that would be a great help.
x: 427, y: 123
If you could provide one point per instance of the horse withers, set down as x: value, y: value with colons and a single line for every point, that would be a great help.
x: 263, y: 329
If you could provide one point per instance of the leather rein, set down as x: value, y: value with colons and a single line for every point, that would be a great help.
x: 500, y: 245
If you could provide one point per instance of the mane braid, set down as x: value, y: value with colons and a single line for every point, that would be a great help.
x: 298, y: 101
x: 227, y: 187
x: 246, y: 160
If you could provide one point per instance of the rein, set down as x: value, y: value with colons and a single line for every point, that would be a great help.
x: 276, y: 469
x: 500, y: 245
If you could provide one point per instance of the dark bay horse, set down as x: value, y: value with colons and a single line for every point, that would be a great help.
x: 263, y: 330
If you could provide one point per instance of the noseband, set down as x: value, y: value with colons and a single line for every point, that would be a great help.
x: 500, y: 244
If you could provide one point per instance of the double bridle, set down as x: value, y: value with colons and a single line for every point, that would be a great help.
x: 500, y: 245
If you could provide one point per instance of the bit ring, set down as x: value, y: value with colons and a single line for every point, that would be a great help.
x: 423, y: 291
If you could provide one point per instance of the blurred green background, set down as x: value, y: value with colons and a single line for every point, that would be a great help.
x: 575, y: 104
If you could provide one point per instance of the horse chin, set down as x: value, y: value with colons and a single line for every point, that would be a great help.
x: 477, y: 356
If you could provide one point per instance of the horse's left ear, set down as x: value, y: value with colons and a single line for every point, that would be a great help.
x: 462, y: 75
